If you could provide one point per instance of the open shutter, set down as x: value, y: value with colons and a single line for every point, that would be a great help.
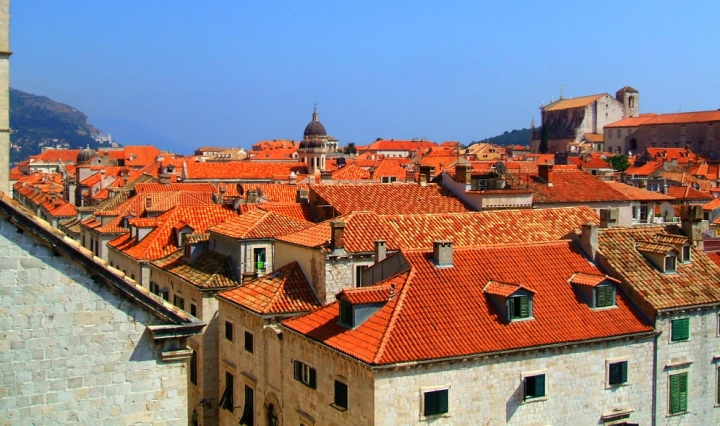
x: 674, y: 394
x: 442, y: 402
x: 431, y: 404
x: 296, y: 367
x: 615, y: 374
x: 312, y: 378
x: 524, y: 306
x: 623, y: 372
x: 540, y: 385
x: 511, y: 308
x: 682, y: 390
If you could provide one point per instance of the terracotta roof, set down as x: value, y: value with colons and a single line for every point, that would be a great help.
x: 56, y: 156
x: 209, y: 270
x: 580, y: 102
x: 398, y: 145
x: 259, y: 224
x: 443, y: 313
x: 497, y: 288
x: 712, y: 205
x: 367, y: 295
x: 593, y: 137
x: 684, y: 118
x: 569, y: 185
x: 300, y: 211
x: 284, y: 291
x: 630, y: 121
x: 405, y: 198
x: 645, y: 170
x: 687, y: 179
x: 242, y: 170
x: 696, y: 282
x: 173, y: 187
x: 638, y: 194
x: 280, y: 193
x: 351, y: 172
x: 160, y: 242
x: 590, y: 280
x: 688, y: 193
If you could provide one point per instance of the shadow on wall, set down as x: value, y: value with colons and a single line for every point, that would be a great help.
x: 513, y: 403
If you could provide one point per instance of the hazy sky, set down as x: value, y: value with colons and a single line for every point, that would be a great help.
x: 230, y: 73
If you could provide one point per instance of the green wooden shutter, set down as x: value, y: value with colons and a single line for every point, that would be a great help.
x: 431, y: 404
x: 524, y: 306
x: 683, y: 391
x: 680, y: 329
x: 540, y: 385
x: 623, y: 372
x: 511, y: 308
x: 678, y: 393
x: 615, y: 374
x: 442, y: 401
x: 604, y: 296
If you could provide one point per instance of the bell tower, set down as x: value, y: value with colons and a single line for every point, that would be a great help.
x: 630, y: 98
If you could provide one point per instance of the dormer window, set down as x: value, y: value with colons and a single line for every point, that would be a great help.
x: 670, y: 262
x: 604, y: 296
x: 514, y: 301
x: 598, y: 291
x: 686, y: 253
x: 356, y: 305
x: 519, y: 307
x: 660, y: 253
x: 346, y: 314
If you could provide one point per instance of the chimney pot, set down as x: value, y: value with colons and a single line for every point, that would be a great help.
x: 588, y: 240
x: 443, y: 253
x: 337, y: 234
x: 380, y: 250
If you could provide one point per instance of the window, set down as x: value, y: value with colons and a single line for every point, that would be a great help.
x: 519, y: 307
x: 678, y: 393
x: 435, y: 403
x: 193, y: 310
x: 682, y: 131
x: 305, y: 374
x: 670, y: 263
x: 341, y: 395
x: 680, y: 329
x: 535, y: 386
x: 618, y: 373
x: 346, y: 313
x: 248, y: 416
x: 618, y: 133
x: 179, y: 302
x: 388, y: 179
x: 604, y: 296
x: 359, y: 275
x: 228, y: 331
x: 259, y: 258
x: 193, y: 368
x: 226, y: 400
x: 686, y: 253
x: 154, y: 288
x: 249, y: 342
x: 165, y: 295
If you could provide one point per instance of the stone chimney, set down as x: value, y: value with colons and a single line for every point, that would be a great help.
x: 422, y: 181
x: 102, y: 179
x: 561, y: 159
x: 302, y: 196
x: 588, y: 240
x: 443, y: 253
x: 545, y: 173
x: 692, y: 223
x: 463, y: 171
x: 222, y: 194
x: 293, y: 179
x: 428, y: 172
x: 609, y: 217
x: 252, y: 196
x: 248, y: 276
x: 380, y: 250
x: 410, y: 176
x: 337, y: 234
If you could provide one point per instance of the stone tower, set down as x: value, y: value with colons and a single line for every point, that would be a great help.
x: 630, y: 98
x: 5, y: 95
x: 314, y: 146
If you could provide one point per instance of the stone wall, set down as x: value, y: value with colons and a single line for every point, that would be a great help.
x: 72, y: 350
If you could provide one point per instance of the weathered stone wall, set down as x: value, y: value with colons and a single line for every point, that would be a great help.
x: 72, y: 350
x: 699, y: 357
x: 340, y: 273
x: 489, y: 391
x: 129, y: 266
x: 702, y: 138
x: 311, y: 261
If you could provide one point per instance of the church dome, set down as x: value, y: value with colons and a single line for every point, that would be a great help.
x: 314, y: 128
x: 314, y: 142
x: 85, y: 155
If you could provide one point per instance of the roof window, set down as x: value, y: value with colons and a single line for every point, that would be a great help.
x: 662, y: 255
x: 598, y: 291
x: 513, y: 301
x: 356, y: 305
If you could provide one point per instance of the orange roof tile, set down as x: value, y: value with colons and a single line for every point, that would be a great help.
x: 367, y: 295
x: 209, y: 270
x: 630, y: 121
x: 569, y: 185
x: 56, y: 156
x: 164, y: 187
x: 242, y: 170
x: 284, y: 291
x: 712, y: 205
x: 503, y: 289
x: 683, y: 118
x: 300, y: 211
x: 443, y: 313
x: 351, y: 172
x: 259, y: 224
x: 590, y: 279
x: 638, y: 194
x: 688, y: 193
x: 580, y: 102
x: 645, y: 170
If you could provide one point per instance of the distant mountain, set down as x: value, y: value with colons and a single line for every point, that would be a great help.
x: 38, y: 121
x: 514, y: 137
x: 134, y: 133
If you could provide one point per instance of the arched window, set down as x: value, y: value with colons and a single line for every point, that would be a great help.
x: 633, y: 145
x: 272, y: 418
x: 631, y: 101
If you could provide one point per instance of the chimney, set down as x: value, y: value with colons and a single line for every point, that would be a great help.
x: 252, y: 196
x: 665, y: 187
x: 692, y: 224
x: 443, y: 253
x: 545, y: 173
x: 337, y: 234
x: 588, y: 240
x: 293, y: 179
x: 609, y: 217
x: 302, y: 196
x: 222, y: 194
x: 428, y: 172
x: 102, y: 179
x: 462, y: 172
x: 248, y: 276
x: 410, y: 176
x: 422, y: 181
x: 561, y: 159
x: 380, y: 250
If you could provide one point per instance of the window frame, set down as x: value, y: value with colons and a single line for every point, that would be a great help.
x: 533, y: 377
x: 251, y: 339
x: 684, y: 335
x: 229, y: 331
x: 339, y: 385
x: 673, y: 269
x: 227, y: 400
x: 345, y: 313
x: 193, y: 367
x: 256, y: 251
x: 682, y: 403
x: 623, y: 365
x: 597, y: 296
x: 305, y: 374
x: 435, y: 390
x: 689, y: 253
x: 248, y: 415
x: 511, y: 308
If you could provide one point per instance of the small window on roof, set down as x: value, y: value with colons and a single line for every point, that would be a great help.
x: 604, y: 296
x: 686, y: 253
x: 520, y: 307
x: 346, y: 313
x: 670, y: 261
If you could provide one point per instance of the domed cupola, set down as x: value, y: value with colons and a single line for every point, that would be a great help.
x: 314, y: 128
x: 85, y: 155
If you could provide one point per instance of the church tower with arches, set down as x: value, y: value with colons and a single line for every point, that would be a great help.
x: 314, y: 146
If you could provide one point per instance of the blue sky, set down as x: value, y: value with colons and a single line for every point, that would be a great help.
x: 230, y: 73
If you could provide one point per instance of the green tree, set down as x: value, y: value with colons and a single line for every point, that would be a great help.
x: 350, y: 148
x: 544, y: 136
x: 619, y: 162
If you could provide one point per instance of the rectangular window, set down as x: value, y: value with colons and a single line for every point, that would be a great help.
x: 305, y: 374
x: 228, y: 331
x: 535, y: 386
x: 435, y: 403
x: 165, y: 295
x: 680, y: 329
x: 259, y: 258
x: 604, y: 296
x: 359, y: 275
x: 193, y: 310
x: 519, y: 307
x: 249, y: 342
x: 678, y: 393
x: 193, y: 367
x: 226, y: 400
x: 618, y: 373
x: 686, y: 253
x: 179, y: 302
x: 346, y: 313
x: 341, y: 395
x: 248, y: 417
x: 669, y: 263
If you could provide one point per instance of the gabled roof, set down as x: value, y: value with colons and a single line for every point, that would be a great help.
x: 259, y: 224
x: 247, y: 170
x: 590, y: 280
x: 694, y: 283
x: 688, y: 193
x: 497, y: 288
x: 580, y: 102
x: 630, y: 121
x: 712, y: 205
x: 351, y: 172
x: 209, y: 270
x: 56, y: 156
x: 173, y: 187
x: 367, y: 295
x: 398, y: 198
x: 683, y: 118
x: 285, y: 291
x: 569, y: 185
x: 638, y: 194
x: 444, y: 313
x: 300, y: 211
x: 645, y: 170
